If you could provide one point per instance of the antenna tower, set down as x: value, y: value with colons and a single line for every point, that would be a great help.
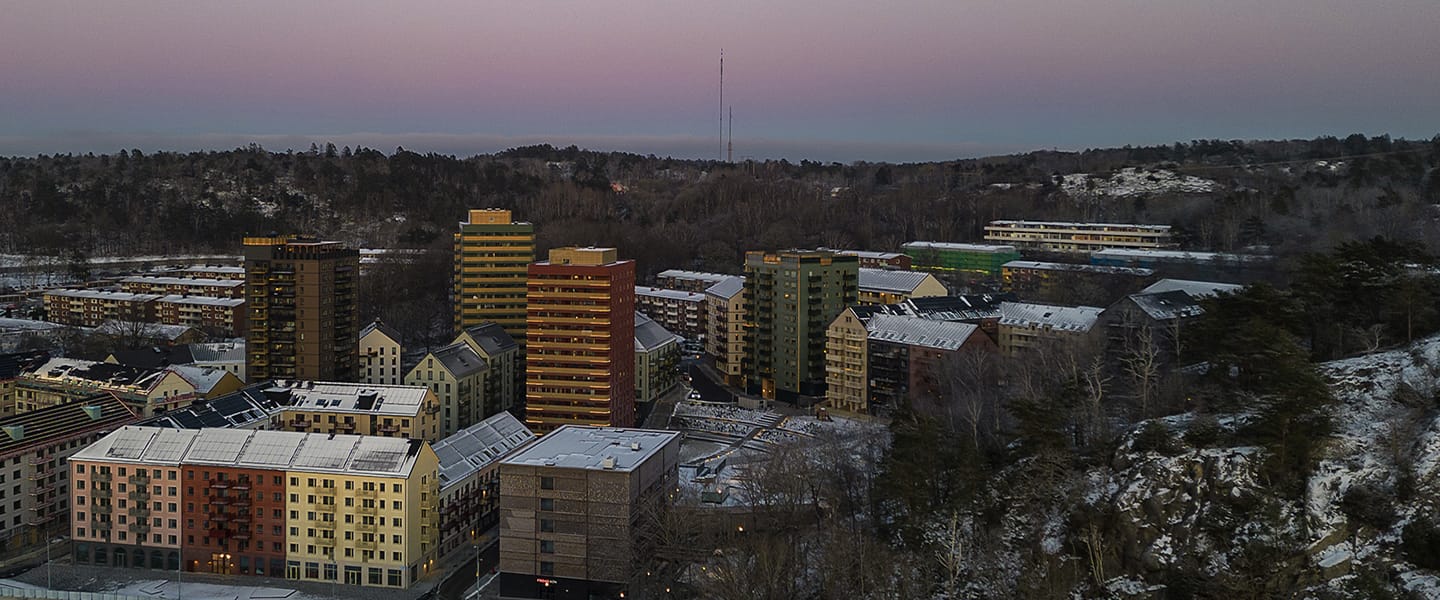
x: 730, y: 147
x: 722, y: 102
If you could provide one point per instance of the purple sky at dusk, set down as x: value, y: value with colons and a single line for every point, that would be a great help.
x: 827, y: 80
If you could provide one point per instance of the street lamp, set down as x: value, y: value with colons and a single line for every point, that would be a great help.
x: 48, y: 579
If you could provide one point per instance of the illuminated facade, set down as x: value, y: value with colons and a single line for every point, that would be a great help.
x: 492, y: 253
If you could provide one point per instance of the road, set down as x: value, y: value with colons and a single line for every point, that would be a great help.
x: 455, y: 586
x: 710, y: 391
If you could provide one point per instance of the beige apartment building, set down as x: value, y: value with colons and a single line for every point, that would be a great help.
x: 380, y: 354
x: 1057, y: 236
x: 725, y: 327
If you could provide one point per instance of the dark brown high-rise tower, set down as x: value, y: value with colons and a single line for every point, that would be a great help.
x: 300, y: 294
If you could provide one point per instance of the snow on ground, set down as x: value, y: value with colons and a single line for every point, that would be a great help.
x: 160, y: 589
x: 1130, y: 181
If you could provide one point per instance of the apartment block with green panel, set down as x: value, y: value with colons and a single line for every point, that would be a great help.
x: 972, y: 258
x: 793, y: 297
x: 492, y: 255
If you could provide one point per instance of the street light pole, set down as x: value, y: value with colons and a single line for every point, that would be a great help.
x: 49, y: 583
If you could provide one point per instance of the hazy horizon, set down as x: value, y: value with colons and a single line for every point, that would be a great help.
x: 833, y: 81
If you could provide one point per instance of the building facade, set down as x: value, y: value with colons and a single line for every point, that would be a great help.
x: 679, y: 311
x: 221, y: 317
x: 1026, y: 327
x: 34, y: 447
x: 879, y: 260
x: 380, y: 354
x: 885, y: 286
x: 470, y: 478
x: 846, y: 381
x: 492, y: 254
x: 979, y: 259
x: 404, y: 411
x: 792, y: 296
x: 358, y: 510
x: 571, y: 507
x: 580, y: 355
x: 1054, y: 236
x: 184, y: 286
x: 301, y: 297
x: 657, y: 359
x: 725, y: 328
x: 91, y: 308
x: 688, y: 281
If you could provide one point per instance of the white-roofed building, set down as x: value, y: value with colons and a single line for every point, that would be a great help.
x: 470, y: 477
x: 1196, y: 289
x: 1025, y: 326
x: 570, y: 507
x: 886, y: 286
x: 361, y: 510
x: 408, y: 411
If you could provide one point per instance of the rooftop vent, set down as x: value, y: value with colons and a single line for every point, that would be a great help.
x: 16, y: 432
x: 94, y: 412
x: 635, y: 446
x: 608, y: 463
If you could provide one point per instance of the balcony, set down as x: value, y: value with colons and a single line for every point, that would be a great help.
x: 367, y: 544
x: 42, y: 489
x: 140, y: 528
x: 242, y: 484
x: 219, y: 484
x: 300, y: 423
x: 102, y: 476
x: 219, y: 500
x: 345, y: 427
x: 139, y: 511
x: 388, y: 429
x: 140, y: 479
x: 139, y: 496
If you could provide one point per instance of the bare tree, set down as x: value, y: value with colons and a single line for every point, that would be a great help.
x: 1141, y: 362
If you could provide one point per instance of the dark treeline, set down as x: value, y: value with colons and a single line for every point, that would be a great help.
x: 1293, y: 196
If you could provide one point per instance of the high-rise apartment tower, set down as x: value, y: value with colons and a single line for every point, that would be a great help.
x: 492, y: 253
x: 300, y: 293
x: 580, y: 359
x: 793, y: 296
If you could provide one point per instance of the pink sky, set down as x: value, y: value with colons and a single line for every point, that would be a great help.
x: 834, y: 80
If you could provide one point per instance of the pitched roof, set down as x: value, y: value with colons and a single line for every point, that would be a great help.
x: 1166, y: 306
x: 460, y: 359
x: 1196, y: 289
x: 150, y: 330
x: 152, y: 358
x: 479, y: 445
x: 650, y: 335
x: 728, y: 287
x: 492, y: 338
x: 940, y: 308
x: 241, y: 408
x: 217, y: 352
x: 44, y: 425
x: 97, y: 372
x: 387, y: 330
x: 1077, y: 268
x: 14, y: 363
x: 913, y: 331
x: 886, y: 280
x: 203, y: 378
x: 1063, y: 318
x: 278, y: 450
x: 982, y: 248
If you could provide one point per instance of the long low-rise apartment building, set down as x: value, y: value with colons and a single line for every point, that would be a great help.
x: 678, y: 311
x: 1062, y: 236
x: 223, y: 317
x: 186, y: 286
x: 470, y: 478
x: 91, y: 308
x: 358, y: 510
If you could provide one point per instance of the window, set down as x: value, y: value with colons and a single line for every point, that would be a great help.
x: 394, y: 577
x: 547, y: 568
x: 547, y: 546
x: 547, y: 504
x: 547, y: 483
x: 547, y: 525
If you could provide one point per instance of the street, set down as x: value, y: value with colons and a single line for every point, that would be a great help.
x: 462, y: 577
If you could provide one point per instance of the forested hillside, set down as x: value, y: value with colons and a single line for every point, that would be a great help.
x: 1292, y: 195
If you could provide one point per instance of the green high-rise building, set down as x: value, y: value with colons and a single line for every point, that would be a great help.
x: 793, y: 295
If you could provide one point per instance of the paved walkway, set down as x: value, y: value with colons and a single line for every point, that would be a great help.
x: 161, y: 585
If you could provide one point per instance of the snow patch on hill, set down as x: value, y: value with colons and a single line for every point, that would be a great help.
x: 1130, y: 182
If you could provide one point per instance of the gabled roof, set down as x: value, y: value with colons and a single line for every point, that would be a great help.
x: 940, y: 308
x: 1077, y: 319
x: 477, y: 446
x: 650, y: 335
x: 277, y: 450
x: 1196, y: 289
x: 15, y: 363
x: 913, y: 331
x: 384, y: 329
x: 492, y: 338
x: 1167, y: 306
x: 460, y: 360
x: 886, y: 280
x: 45, y: 425
x: 204, y: 379
x: 149, y: 330
x: 1078, y: 268
x: 239, y: 409
x: 727, y: 288
x: 153, y: 358
x: 218, y: 352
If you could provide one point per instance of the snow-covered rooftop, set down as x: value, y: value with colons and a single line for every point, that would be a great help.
x: 728, y: 288
x: 914, y: 331
x: 1196, y: 289
x: 1064, y: 318
x: 1077, y: 268
x: 586, y: 447
x: 983, y: 248
x: 886, y: 280
x: 291, y: 451
x: 479, y: 445
x: 654, y: 292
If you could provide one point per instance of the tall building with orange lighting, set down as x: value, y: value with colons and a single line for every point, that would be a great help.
x: 580, y: 333
x: 492, y: 253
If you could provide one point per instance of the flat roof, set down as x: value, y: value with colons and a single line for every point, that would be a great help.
x: 1180, y: 255
x: 202, y: 300
x: 103, y: 295
x: 654, y: 292
x: 1078, y: 225
x: 160, y: 280
x: 693, y: 275
x: 588, y: 447
x: 982, y: 248
x: 366, y: 398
